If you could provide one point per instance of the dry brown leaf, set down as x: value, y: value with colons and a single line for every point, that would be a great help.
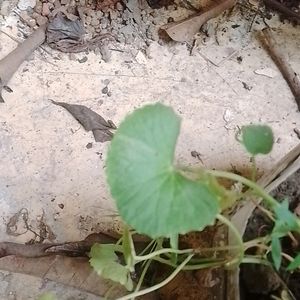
x: 185, y: 30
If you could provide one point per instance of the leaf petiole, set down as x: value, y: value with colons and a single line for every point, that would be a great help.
x: 159, y: 285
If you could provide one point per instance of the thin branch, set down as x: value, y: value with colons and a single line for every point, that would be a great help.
x: 285, y: 68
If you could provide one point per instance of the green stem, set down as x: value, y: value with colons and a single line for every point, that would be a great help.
x: 166, y: 251
x: 238, y: 238
x: 257, y: 241
x: 255, y: 187
x: 159, y: 285
x: 141, y: 279
x: 251, y: 259
x: 153, y: 242
x: 212, y: 263
x: 162, y: 251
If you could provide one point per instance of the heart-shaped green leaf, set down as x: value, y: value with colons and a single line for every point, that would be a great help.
x: 152, y: 196
x: 105, y: 262
x: 258, y: 139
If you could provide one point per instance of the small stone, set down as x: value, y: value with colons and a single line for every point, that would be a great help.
x: 24, y: 4
x: 38, y: 7
x: 24, y: 15
x: 82, y: 60
x: 113, y: 14
x: 99, y: 14
x: 105, y: 90
x: 97, y: 51
x: 119, y: 6
x: 82, y: 2
x: 106, y: 54
x: 89, y: 145
x: 106, y: 81
x: 141, y: 58
x: 104, y: 23
x: 121, y: 38
x: 5, y: 7
x: 88, y: 20
x: 31, y: 22
x: 40, y: 20
x: 57, y: 4
x: 72, y: 56
x: 46, y: 9
x: 89, y: 12
x: 109, y: 94
x: 61, y: 206
x: 95, y: 22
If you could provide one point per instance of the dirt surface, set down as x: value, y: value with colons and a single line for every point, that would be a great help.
x: 262, y: 282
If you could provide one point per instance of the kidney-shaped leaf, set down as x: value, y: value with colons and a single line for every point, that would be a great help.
x: 105, y: 263
x: 152, y: 196
x: 258, y: 139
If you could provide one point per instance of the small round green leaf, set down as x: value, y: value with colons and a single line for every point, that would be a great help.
x: 151, y: 195
x: 258, y: 139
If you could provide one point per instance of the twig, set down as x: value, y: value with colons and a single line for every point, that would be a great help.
x: 10, y: 64
x: 292, y: 15
x: 285, y: 68
x: 79, y: 248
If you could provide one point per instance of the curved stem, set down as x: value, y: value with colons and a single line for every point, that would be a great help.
x: 257, y: 241
x: 162, y: 251
x: 250, y: 259
x: 159, y: 285
x: 238, y: 238
x: 139, y: 284
x: 255, y: 187
x: 166, y: 251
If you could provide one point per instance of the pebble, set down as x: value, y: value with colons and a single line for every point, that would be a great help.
x: 31, y: 22
x: 40, y: 20
x: 119, y: 6
x: 38, y: 7
x: 104, y: 23
x: 72, y: 56
x: 97, y: 51
x: 95, y: 22
x: 88, y: 20
x: 46, y: 9
x: 4, y: 11
x: 99, y: 14
x: 105, y: 90
x: 106, y: 54
x: 114, y: 14
x: 24, y: 4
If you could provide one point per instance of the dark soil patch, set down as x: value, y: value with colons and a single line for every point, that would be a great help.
x: 260, y: 282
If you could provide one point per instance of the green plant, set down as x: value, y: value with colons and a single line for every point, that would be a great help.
x: 162, y: 200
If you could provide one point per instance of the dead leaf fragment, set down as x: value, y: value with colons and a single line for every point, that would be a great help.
x: 268, y: 72
x: 185, y: 30
x: 90, y: 120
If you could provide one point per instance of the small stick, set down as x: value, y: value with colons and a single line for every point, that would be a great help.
x: 292, y: 15
x: 10, y: 63
x: 285, y: 68
x: 78, y: 248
